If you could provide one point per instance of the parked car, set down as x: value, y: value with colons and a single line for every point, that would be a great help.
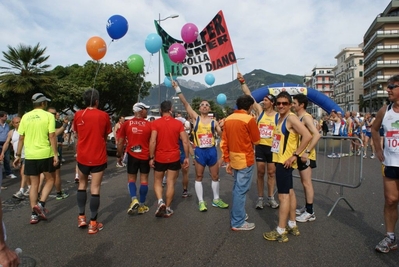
x: 111, y: 144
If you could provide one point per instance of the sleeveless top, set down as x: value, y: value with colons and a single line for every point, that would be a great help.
x: 312, y: 154
x: 336, y: 127
x: 390, y: 123
x: 204, y: 134
x: 266, y: 126
x: 284, y: 142
x: 14, y: 142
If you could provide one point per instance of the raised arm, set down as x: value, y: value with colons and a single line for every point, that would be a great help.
x: 187, y: 106
x: 245, y: 90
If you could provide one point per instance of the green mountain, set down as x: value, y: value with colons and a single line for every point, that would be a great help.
x: 254, y: 80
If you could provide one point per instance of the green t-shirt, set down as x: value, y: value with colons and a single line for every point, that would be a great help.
x: 36, y: 126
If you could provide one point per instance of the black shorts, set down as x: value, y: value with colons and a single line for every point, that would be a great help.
x: 162, y: 167
x: 304, y: 165
x: 390, y: 172
x: 34, y: 167
x: 86, y: 170
x: 263, y: 153
x: 284, y: 179
x: 135, y: 164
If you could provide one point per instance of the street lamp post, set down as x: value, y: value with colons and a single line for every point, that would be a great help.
x: 232, y: 67
x: 159, y: 60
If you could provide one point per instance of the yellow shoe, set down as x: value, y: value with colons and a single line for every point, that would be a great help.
x: 142, y: 209
x: 133, y: 206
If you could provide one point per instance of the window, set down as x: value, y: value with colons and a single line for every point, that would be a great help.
x: 360, y: 73
x: 360, y: 62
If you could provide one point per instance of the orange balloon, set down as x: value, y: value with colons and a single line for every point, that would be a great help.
x: 96, y: 48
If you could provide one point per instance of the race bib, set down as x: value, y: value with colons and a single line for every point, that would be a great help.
x: 276, y: 143
x: 265, y: 130
x: 392, y: 141
x: 136, y: 149
x: 205, y: 140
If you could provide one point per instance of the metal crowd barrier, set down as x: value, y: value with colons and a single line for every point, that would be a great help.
x: 337, y: 166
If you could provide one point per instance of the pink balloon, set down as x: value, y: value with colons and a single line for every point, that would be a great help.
x: 189, y: 32
x: 177, y: 53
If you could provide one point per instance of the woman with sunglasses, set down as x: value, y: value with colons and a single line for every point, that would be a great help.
x: 205, y: 149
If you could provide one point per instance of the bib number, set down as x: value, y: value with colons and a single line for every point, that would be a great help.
x: 265, y: 131
x: 276, y: 143
x: 205, y: 140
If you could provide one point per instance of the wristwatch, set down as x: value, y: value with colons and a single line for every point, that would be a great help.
x: 307, y: 151
x: 295, y: 154
x: 151, y: 158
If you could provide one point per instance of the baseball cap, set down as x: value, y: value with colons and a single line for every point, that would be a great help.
x: 139, y: 107
x: 339, y: 112
x: 39, y: 97
x: 271, y: 98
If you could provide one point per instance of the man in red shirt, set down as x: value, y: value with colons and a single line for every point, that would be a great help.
x: 165, y: 156
x: 137, y: 132
x: 92, y: 127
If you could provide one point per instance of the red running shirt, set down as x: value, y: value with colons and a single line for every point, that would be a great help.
x: 92, y: 127
x: 138, y: 133
x: 168, y: 135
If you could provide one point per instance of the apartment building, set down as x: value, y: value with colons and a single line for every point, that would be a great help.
x: 348, y: 78
x: 321, y: 79
x: 381, y: 56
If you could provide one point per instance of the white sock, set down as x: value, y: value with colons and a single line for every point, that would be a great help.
x: 21, y: 190
x: 280, y: 230
x: 215, y: 189
x: 199, y: 191
x: 160, y: 201
x: 291, y: 224
x: 391, y: 235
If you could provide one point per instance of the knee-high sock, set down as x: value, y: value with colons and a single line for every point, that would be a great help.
x: 199, y: 191
x: 94, y: 205
x: 81, y: 197
x: 132, y: 189
x: 143, y: 192
x: 215, y: 189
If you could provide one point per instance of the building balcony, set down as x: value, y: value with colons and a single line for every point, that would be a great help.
x: 379, y: 35
x: 381, y: 64
x: 379, y: 50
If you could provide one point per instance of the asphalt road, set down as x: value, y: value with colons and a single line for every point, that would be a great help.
x: 192, y: 238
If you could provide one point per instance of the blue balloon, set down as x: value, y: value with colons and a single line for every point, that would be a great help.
x: 209, y: 79
x: 221, y: 99
x: 153, y: 43
x: 117, y: 27
x: 167, y: 82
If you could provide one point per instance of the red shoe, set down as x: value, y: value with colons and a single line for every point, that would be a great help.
x: 82, y: 221
x: 94, y: 227
x: 40, y: 211
x: 34, y: 219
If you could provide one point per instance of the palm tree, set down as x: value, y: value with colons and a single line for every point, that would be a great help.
x: 26, y: 74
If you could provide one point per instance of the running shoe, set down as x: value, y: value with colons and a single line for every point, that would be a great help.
x: 19, y: 195
x: 293, y: 231
x: 160, y: 210
x: 245, y: 227
x: 275, y: 236
x: 306, y: 217
x: 119, y: 165
x: 11, y: 176
x: 372, y: 156
x: 300, y: 210
x: 62, y: 195
x: 386, y: 245
x: 94, y: 227
x: 168, y: 213
x: 34, y: 219
x: 185, y: 194
x: 133, y: 206
x: 350, y: 154
x: 358, y: 153
x: 365, y: 156
x: 26, y: 193
x: 142, y: 209
x: 272, y: 203
x: 40, y: 211
x: 202, y: 206
x: 219, y: 203
x: 259, y: 204
x: 82, y: 221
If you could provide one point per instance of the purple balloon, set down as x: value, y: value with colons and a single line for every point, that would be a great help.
x: 177, y: 53
x: 189, y: 33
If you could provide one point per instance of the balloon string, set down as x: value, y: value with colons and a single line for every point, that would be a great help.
x: 95, y: 76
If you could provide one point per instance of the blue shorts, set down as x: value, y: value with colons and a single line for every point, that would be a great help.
x: 206, y: 156
x: 284, y: 180
x: 368, y: 134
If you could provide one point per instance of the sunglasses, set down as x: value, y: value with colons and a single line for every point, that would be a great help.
x: 204, y: 105
x: 392, y: 86
x: 282, y: 103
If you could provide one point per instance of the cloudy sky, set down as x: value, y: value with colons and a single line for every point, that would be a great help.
x: 279, y: 36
